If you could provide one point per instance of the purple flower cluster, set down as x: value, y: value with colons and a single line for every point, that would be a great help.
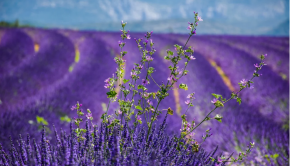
x: 105, y: 146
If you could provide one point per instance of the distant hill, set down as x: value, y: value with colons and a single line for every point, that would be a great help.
x: 14, y: 24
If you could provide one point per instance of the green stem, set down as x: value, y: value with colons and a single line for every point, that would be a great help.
x: 150, y: 126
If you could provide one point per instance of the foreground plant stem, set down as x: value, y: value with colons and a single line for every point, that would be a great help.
x: 215, y: 109
x: 167, y: 88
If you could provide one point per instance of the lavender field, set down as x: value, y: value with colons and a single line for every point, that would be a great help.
x: 44, y: 72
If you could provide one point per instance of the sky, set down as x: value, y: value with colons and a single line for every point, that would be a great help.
x: 237, y: 17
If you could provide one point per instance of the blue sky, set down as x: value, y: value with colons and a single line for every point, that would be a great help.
x: 243, y: 17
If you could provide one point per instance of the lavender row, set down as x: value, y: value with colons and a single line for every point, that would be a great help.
x: 278, y: 61
x: 104, y: 146
x: 15, y: 47
x: 271, y: 92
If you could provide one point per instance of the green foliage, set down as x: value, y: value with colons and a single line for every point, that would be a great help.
x: 150, y: 70
x: 138, y: 107
x: 41, y: 120
x: 239, y: 100
x: 219, y: 104
x: 183, y: 86
x: 111, y: 94
x: 170, y: 111
x: 216, y: 95
x: 65, y: 119
x: 218, y: 117
x: 125, y: 81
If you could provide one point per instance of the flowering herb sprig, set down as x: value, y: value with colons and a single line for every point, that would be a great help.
x: 145, y: 105
x: 80, y: 131
x: 115, y: 142
x: 220, y: 103
x: 130, y: 88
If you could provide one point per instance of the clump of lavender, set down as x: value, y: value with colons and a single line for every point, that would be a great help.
x: 105, y: 146
x: 123, y: 138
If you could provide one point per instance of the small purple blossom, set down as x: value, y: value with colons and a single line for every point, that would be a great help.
x: 214, y: 100
x: 187, y: 102
x: 171, y: 78
x: 149, y: 58
x: 190, y: 96
x: 199, y: 18
x: 193, y: 32
x: 107, y: 85
x: 89, y: 116
x: 133, y: 74
x: 139, y: 118
x: 128, y: 37
x: 256, y: 65
x: 73, y: 107
x: 144, y: 82
x: 192, y: 58
x: 107, y: 80
x: 146, y: 95
x: 119, y: 112
x: 149, y: 102
x: 244, y: 82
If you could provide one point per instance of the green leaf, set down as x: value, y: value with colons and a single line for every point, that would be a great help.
x: 41, y: 120
x: 218, y: 117
x: 233, y: 95
x: 125, y: 81
x: 150, y: 70
x: 140, y: 86
x: 111, y: 94
x: 169, y: 53
x: 218, y: 104
x: 183, y: 117
x: 183, y: 134
x: 83, y: 130
x: 138, y: 107
x: 166, y: 58
x: 170, y: 111
x: 274, y: 156
x: 217, y: 96
x: 239, y: 100
x: 65, y: 119
x: 183, y: 86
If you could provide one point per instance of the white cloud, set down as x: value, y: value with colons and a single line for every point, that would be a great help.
x: 182, y: 11
x: 209, y: 13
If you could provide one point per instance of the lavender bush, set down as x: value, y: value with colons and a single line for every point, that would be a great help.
x: 133, y: 124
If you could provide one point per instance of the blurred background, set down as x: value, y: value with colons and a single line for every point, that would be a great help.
x: 245, y: 17
x: 54, y: 53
